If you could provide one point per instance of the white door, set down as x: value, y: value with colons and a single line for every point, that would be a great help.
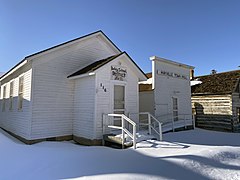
x: 118, y: 102
x: 175, y: 108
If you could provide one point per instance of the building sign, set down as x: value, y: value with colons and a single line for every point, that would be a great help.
x: 172, y: 74
x: 118, y: 73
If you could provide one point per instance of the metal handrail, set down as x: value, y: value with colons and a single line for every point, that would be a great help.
x: 124, y: 129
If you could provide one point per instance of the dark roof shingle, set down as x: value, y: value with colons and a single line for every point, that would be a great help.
x: 220, y: 83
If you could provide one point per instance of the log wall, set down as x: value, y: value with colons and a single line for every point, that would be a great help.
x: 213, y: 112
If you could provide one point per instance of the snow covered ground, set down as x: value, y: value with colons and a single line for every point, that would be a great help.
x: 193, y: 154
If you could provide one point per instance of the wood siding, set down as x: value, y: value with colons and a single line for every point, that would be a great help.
x: 213, y: 111
x: 53, y: 93
x: 235, y: 107
x: 84, y: 108
x: 167, y: 87
x: 15, y: 120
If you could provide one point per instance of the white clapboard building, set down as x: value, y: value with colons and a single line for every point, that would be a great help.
x: 63, y: 92
x: 167, y: 92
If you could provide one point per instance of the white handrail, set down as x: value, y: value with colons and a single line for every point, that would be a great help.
x: 124, y: 129
x: 150, y: 127
x: 185, y: 118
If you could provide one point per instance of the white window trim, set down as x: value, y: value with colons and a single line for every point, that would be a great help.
x: 11, y: 91
x: 20, y: 93
x: 4, y: 98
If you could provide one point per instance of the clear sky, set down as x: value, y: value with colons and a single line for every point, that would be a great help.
x: 201, y: 33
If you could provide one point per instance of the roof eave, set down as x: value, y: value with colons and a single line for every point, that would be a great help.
x: 35, y: 55
x: 16, y: 67
x: 140, y: 71
x: 202, y: 94
x: 82, y: 75
x: 155, y: 58
x: 73, y: 41
x: 142, y: 76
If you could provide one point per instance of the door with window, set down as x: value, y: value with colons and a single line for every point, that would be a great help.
x: 118, y: 102
x: 175, y: 108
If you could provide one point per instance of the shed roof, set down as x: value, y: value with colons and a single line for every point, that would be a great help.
x: 220, y: 83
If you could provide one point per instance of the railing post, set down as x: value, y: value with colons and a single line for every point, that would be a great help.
x: 149, y: 124
x: 193, y: 120
x: 160, y: 131
x: 173, y: 124
x: 103, y: 128
x: 134, y: 137
x: 138, y: 124
x: 185, y: 126
x: 123, y: 133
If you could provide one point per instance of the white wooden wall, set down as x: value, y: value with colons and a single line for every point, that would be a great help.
x: 17, y: 121
x: 53, y: 93
x: 84, y: 107
x: 104, y: 100
x: 167, y: 87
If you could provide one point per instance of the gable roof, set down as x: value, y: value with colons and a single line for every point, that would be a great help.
x: 220, y: 83
x: 94, y: 66
x: 73, y: 40
x: 27, y: 58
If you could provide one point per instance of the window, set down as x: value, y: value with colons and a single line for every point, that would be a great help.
x: 20, y: 93
x: 119, y: 103
x: 11, y: 96
x: 4, y: 99
x: 175, y: 108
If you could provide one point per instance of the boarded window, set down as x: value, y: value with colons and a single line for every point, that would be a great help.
x: 175, y: 108
x: 20, y: 93
x: 11, y: 96
x: 4, y: 99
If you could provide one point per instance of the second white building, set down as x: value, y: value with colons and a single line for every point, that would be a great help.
x: 167, y: 92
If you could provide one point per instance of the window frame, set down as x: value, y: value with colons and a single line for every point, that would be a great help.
x: 20, y: 92
x: 11, y: 90
x: 4, y: 98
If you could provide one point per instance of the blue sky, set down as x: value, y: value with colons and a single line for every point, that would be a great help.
x: 201, y: 33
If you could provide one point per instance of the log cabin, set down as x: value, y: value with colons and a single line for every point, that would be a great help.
x: 216, y: 101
